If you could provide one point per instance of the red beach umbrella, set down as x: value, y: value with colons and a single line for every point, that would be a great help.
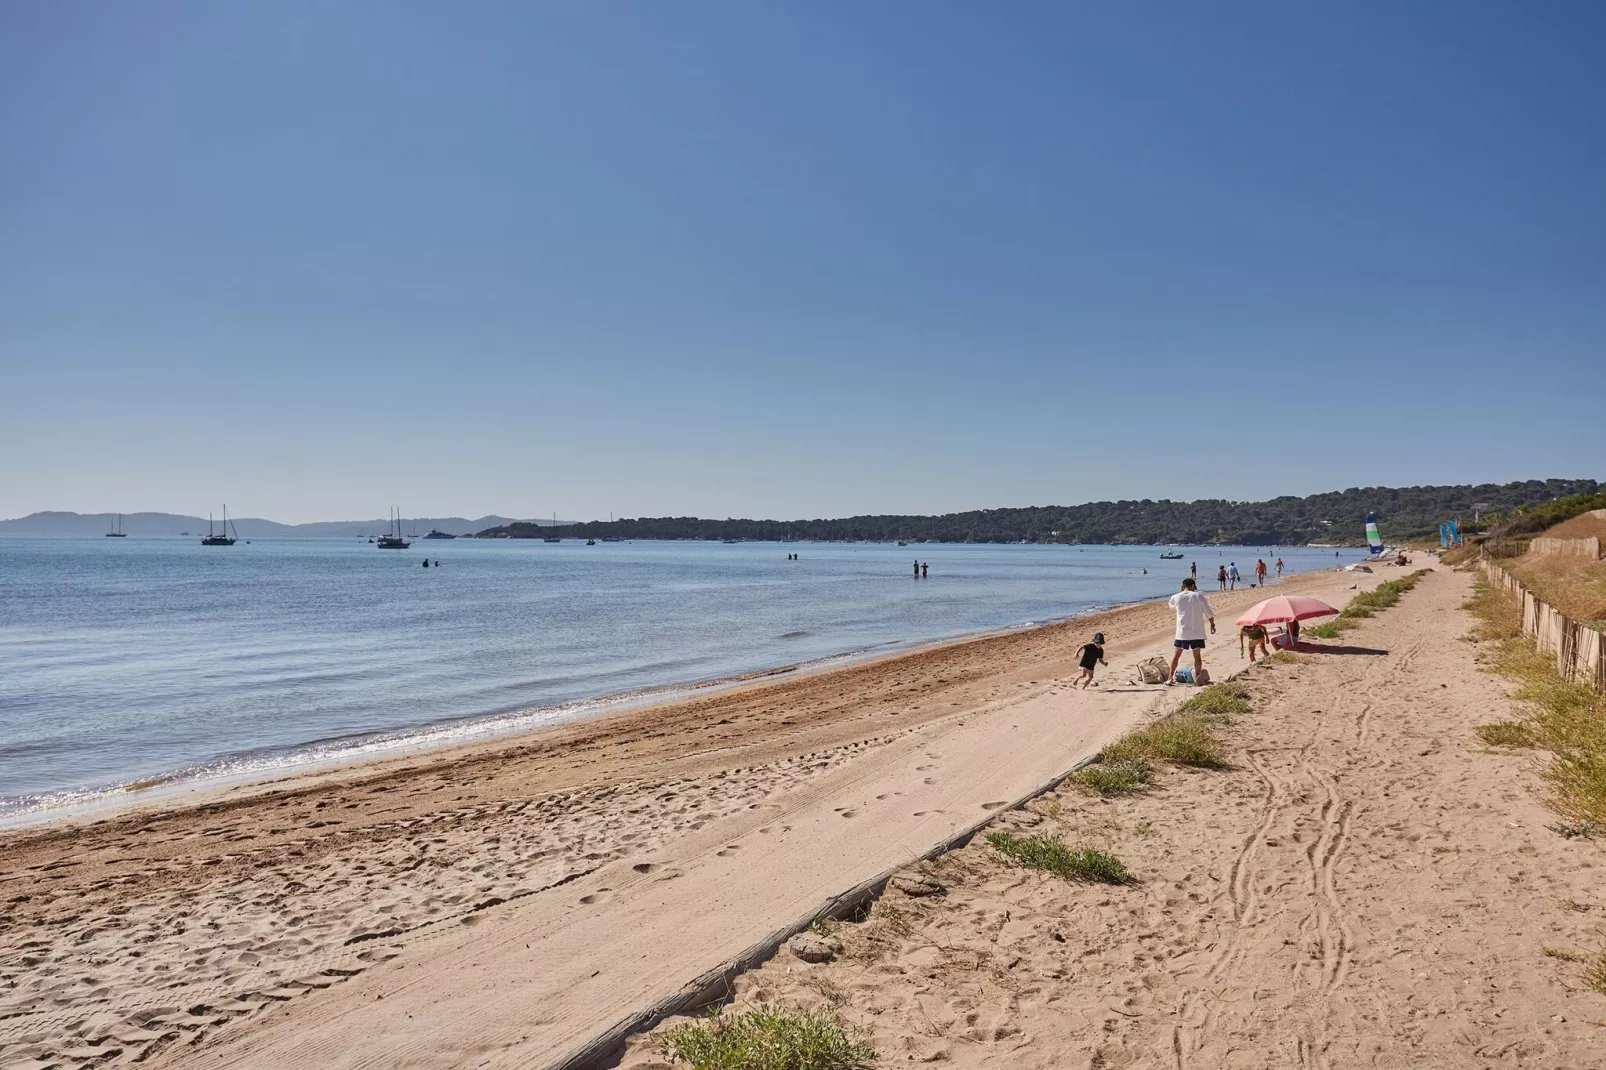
x: 1284, y: 608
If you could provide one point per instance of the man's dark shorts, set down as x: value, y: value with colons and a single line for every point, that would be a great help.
x: 1190, y: 644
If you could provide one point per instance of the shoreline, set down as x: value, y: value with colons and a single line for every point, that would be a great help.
x: 176, y: 792
x: 195, y: 784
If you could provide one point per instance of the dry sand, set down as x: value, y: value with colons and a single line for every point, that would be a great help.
x: 1368, y: 886
x: 498, y: 905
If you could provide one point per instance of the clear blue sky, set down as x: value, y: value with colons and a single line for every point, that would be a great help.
x: 811, y: 259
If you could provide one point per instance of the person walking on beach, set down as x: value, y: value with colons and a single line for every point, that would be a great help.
x: 1193, y: 613
x: 1221, y: 576
x: 1193, y: 569
x: 1091, y: 654
x: 1260, y: 571
x: 1232, y: 575
x: 1279, y: 568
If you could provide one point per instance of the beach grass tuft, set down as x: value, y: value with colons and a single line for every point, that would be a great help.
x: 1217, y: 702
x: 769, y: 1038
x: 1505, y: 734
x: 1120, y: 777
x: 1186, y: 738
x: 1050, y: 855
x: 1595, y: 975
x: 1562, y: 953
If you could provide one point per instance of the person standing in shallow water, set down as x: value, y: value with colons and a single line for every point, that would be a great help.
x: 917, y: 568
x: 1193, y: 570
x: 925, y: 569
x: 1221, y: 576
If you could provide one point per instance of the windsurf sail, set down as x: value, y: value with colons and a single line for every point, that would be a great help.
x: 1374, y: 541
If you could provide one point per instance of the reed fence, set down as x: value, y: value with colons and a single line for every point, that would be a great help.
x: 1589, y: 547
x: 1580, y: 652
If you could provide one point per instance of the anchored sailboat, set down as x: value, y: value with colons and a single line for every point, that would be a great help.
x: 220, y: 537
x: 392, y: 540
x: 117, y: 529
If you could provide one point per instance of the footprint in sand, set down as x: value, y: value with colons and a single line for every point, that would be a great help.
x: 598, y: 896
x: 644, y: 867
x: 993, y: 805
x: 848, y: 813
x: 730, y: 848
x: 924, y: 813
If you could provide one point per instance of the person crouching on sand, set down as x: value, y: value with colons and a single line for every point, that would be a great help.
x: 1193, y: 612
x: 1255, y: 635
x: 1091, y: 654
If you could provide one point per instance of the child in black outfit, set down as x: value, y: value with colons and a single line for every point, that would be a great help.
x: 1092, y: 654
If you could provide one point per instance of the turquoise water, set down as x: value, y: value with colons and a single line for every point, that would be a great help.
x: 137, y: 659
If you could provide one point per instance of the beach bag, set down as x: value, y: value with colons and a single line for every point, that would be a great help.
x: 1153, y: 671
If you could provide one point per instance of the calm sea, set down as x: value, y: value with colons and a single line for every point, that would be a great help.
x: 125, y: 661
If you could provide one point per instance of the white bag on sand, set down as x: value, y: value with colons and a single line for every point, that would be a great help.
x: 1154, y: 671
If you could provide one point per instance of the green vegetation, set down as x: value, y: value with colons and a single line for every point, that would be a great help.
x: 769, y: 1038
x: 1181, y: 739
x: 1050, y: 855
x: 1595, y: 976
x: 1505, y: 734
x: 1217, y: 702
x: 1561, y: 953
x: 1532, y: 518
x: 1330, y: 629
x: 1122, y: 777
x: 1568, y: 719
x: 1336, y: 517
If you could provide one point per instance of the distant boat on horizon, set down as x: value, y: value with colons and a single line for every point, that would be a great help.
x: 393, y: 540
x: 220, y: 538
x: 436, y: 533
x: 117, y: 529
x: 553, y: 538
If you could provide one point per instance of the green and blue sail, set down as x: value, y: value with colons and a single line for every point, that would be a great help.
x: 1374, y: 541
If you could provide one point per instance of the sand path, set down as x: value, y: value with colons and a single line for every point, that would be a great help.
x: 495, y: 908
x: 1367, y: 886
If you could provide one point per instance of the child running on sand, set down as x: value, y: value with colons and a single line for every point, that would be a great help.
x: 1092, y: 654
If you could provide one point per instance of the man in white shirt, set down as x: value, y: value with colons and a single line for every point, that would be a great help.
x: 1193, y: 613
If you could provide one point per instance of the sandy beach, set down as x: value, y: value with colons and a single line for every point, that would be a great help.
x: 502, y: 905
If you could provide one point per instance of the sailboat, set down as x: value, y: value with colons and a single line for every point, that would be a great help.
x: 117, y: 529
x: 1374, y: 540
x: 392, y: 540
x: 220, y: 537
x: 553, y: 538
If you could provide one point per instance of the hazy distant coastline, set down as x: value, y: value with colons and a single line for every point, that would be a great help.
x: 63, y: 523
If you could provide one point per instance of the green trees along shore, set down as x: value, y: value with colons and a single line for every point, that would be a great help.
x: 1336, y: 517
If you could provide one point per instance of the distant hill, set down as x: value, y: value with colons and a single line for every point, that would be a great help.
x: 1336, y: 517
x: 58, y: 523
